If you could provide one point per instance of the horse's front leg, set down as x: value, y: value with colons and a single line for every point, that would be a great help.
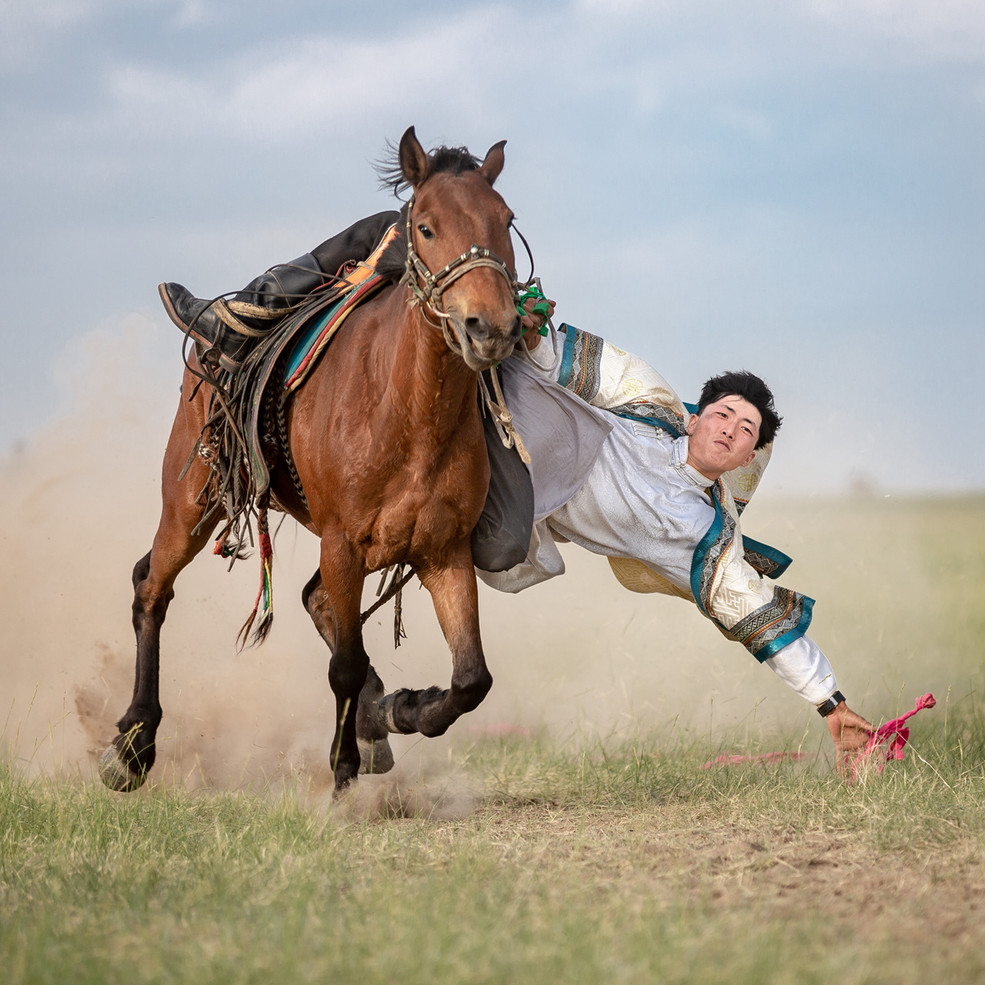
x: 335, y: 610
x: 456, y: 604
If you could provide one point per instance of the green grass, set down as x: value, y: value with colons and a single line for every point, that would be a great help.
x: 559, y: 858
x: 603, y: 863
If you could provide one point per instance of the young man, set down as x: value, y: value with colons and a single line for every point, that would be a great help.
x: 659, y: 491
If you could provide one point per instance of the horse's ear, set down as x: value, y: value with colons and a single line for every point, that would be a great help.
x: 493, y: 164
x: 413, y: 158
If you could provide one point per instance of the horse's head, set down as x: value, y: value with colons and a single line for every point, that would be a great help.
x: 460, y: 261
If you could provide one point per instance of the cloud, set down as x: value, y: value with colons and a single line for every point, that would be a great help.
x: 294, y: 88
x: 38, y: 17
x: 27, y: 26
x: 191, y: 14
x: 31, y: 31
x: 921, y: 31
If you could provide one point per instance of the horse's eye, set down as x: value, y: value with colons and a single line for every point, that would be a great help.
x: 425, y: 232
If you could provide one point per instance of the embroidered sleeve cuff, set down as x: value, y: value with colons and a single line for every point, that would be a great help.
x: 803, y: 667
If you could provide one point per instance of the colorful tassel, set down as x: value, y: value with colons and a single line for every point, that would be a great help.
x: 264, y: 604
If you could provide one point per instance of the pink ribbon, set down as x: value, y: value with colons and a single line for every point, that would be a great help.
x: 894, y: 735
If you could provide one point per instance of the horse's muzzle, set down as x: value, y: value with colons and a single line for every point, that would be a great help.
x: 484, y: 343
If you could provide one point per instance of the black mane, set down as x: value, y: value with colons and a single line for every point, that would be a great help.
x: 393, y: 260
x: 451, y: 160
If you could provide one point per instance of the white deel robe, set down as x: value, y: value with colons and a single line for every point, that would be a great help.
x: 622, y: 488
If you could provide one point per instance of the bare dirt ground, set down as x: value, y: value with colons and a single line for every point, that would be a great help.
x: 911, y: 904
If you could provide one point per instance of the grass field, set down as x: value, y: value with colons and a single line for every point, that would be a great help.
x: 565, y: 832
x: 601, y: 864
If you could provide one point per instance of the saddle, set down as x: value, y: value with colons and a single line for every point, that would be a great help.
x: 279, y: 366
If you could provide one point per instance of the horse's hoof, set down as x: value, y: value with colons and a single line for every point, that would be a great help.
x: 375, y: 755
x: 400, y: 710
x: 115, y: 773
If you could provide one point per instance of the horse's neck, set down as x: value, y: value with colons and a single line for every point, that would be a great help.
x: 428, y: 384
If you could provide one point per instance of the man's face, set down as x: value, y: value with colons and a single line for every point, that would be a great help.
x: 723, y: 436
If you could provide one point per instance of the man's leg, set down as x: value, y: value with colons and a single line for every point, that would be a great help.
x: 229, y: 329
x: 502, y: 535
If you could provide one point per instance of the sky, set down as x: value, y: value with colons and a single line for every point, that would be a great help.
x: 795, y: 188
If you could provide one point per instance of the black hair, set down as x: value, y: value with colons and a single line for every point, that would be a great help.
x: 741, y: 383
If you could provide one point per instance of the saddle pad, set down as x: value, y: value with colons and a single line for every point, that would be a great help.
x: 299, y: 341
x: 311, y: 339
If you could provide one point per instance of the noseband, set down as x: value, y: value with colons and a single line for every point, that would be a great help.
x: 427, y: 288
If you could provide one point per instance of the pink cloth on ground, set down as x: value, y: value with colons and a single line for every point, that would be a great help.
x: 767, y: 757
x: 893, y: 734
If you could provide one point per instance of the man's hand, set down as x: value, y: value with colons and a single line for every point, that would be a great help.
x: 851, y: 733
x: 532, y: 321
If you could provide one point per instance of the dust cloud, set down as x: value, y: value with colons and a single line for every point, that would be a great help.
x: 579, y: 657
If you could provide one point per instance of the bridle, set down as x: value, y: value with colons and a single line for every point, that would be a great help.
x: 427, y: 288
x: 426, y: 292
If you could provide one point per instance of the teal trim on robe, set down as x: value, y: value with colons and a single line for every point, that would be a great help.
x: 785, y: 618
x: 766, y: 560
x: 769, y: 627
x: 567, y: 356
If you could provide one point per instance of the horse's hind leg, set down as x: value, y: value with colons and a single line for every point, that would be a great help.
x: 372, y: 735
x: 124, y: 765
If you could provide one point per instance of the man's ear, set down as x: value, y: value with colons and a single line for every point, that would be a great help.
x: 691, y: 421
x: 748, y: 460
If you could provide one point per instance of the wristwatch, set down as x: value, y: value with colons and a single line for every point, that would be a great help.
x: 826, y: 707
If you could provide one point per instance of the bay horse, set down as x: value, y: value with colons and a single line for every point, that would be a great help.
x: 387, y: 440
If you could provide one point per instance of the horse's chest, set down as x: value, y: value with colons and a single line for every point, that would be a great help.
x: 425, y: 511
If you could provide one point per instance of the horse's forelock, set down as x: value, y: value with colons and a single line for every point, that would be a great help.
x: 452, y: 159
x: 448, y: 160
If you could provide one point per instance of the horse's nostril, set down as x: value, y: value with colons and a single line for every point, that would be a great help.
x: 478, y: 328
